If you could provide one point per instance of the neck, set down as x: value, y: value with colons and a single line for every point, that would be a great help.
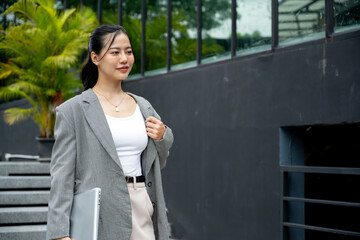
x: 109, y: 87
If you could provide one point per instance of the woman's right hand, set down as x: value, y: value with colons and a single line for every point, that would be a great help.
x: 64, y: 238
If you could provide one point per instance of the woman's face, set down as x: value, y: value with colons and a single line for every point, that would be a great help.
x: 117, y: 62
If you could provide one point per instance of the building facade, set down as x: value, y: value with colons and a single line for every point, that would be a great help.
x: 264, y: 100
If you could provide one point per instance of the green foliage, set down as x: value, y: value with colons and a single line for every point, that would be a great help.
x: 245, y: 41
x: 42, y: 59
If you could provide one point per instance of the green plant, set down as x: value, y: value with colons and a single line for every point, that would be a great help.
x: 42, y: 59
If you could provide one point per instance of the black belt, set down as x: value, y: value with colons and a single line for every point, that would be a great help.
x: 131, y: 179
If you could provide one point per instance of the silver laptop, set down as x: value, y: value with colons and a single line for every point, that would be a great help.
x: 85, y: 215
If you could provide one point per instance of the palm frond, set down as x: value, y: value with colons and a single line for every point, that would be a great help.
x: 25, y: 86
x: 46, y: 15
x: 84, y: 20
x: 65, y: 16
x: 8, y: 68
x: 69, y: 84
x: 16, y: 115
x: 24, y: 45
x: 33, y: 76
x: 4, y: 73
x: 50, y: 92
x: 26, y: 9
x: 8, y: 93
x: 62, y: 61
x: 70, y: 52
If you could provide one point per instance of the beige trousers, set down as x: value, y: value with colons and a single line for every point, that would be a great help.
x: 142, y: 211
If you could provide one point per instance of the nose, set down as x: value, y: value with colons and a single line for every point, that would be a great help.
x: 123, y: 57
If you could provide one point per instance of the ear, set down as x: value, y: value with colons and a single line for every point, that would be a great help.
x: 95, y: 58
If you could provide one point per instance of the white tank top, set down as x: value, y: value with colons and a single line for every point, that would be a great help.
x: 130, y: 138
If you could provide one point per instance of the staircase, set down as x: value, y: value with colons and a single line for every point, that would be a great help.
x: 24, y: 194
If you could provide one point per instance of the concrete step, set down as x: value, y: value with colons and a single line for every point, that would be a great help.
x: 24, y: 168
x: 33, y: 182
x: 23, y: 215
x: 18, y: 198
x: 28, y: 232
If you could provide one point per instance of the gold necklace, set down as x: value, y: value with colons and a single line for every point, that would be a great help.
x: 116, y: 106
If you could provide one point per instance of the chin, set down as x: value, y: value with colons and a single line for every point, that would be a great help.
x: 123, y: 76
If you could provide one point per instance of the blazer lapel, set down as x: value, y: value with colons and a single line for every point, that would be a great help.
x: 95, y: 116
x: 150, y: 152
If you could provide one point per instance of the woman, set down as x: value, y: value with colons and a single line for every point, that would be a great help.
x: 113, y: 140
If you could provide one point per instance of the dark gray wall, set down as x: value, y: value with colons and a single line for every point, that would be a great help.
x: 222, y: 180
x: 19, y: 138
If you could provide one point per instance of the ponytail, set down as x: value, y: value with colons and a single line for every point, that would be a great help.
x: 89, y: 74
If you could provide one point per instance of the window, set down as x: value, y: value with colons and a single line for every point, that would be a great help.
x: 301, y: 19
x: 347, y: 14
x: 253, y: 26
x: 216, y: 30
x: 156, y: 37
x: 132, y: 23
x: 320, y: 176
x: 184, y: 37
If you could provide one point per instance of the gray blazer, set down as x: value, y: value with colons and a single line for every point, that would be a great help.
x: 84, y: 157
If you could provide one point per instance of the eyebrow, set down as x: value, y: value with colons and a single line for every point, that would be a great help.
x: 117, y: 48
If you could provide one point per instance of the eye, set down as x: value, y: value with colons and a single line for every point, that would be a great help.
x: 129, y: 51
x: 115, y: 52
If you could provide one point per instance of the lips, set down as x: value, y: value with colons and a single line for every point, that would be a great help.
x: 123, y: 69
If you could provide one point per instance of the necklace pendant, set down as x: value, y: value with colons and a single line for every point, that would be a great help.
x: 116, y: 109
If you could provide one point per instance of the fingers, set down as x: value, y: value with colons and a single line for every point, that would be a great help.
x: 152, y: 119
x: 151, y: 125
x: 155, y: 128
x: 154, y: 136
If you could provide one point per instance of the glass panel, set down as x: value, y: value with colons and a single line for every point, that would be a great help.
x: 132, y: 24
x: 253, y: 27
x: 216, y: 30
x: 156, y: 37
x: 347, y: 14
x: 110, y: 12
x: 183, y: 50
x: 300, y: 20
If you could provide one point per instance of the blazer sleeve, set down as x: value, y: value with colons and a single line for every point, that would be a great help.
x: 163, y: 146
x: 62, y: 170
